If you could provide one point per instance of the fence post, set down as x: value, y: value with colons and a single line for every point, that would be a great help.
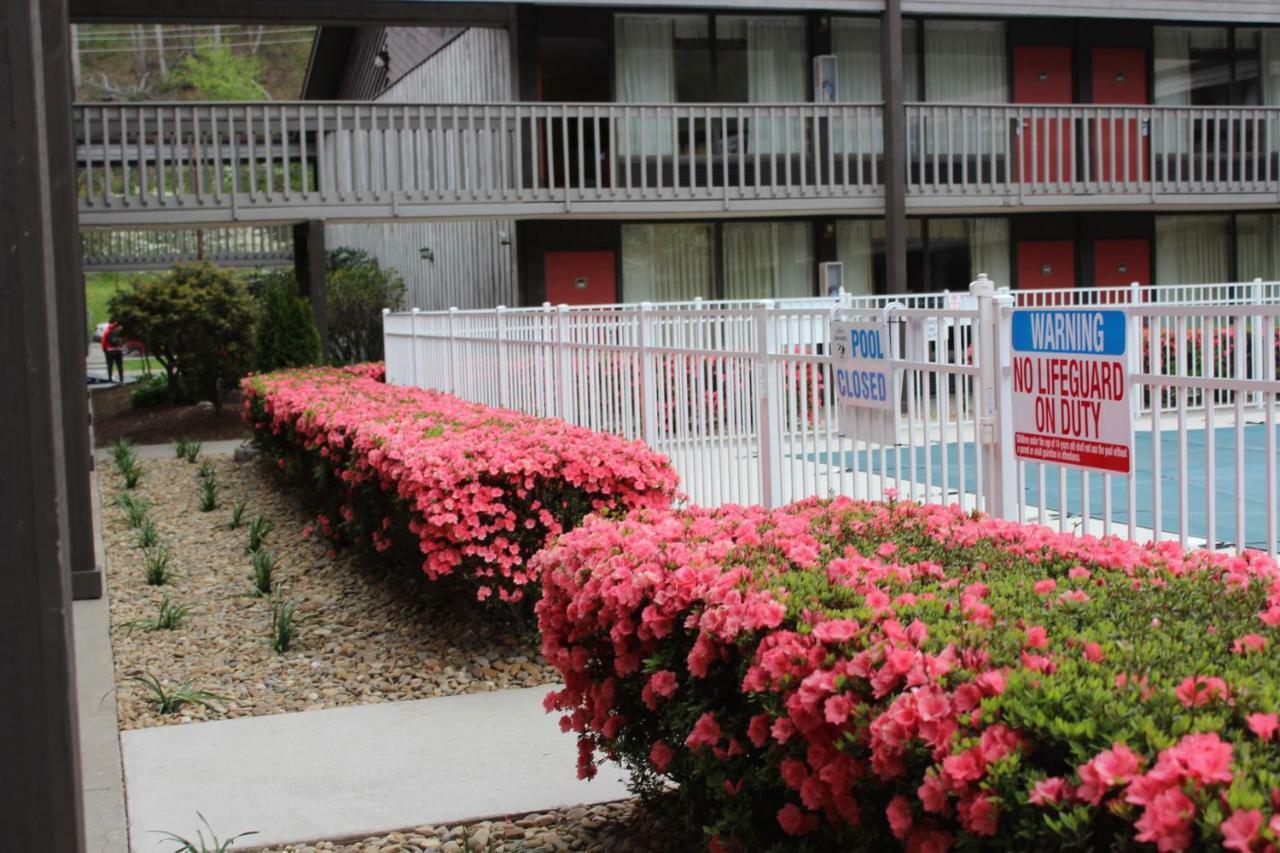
x: 648, y: 378
x: 768, y: 405
x: 995, y: 415
x: 413, y: 342
x: 453, y: 356
x: 504, y: 383
x: 564, y: 365
x: 1255, y: 333
x: 547, y: 359
x: 386, y: 349
x: 1135, y: 350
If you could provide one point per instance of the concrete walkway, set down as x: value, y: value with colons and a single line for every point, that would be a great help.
x: 165, y: 451
x: 351, y: 772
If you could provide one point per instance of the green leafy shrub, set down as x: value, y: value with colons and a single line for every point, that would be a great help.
x: 286, y: 335
x: 208, y: 494
x: 149, y: 391
x: 356, y: 291
x: 237, y: 515
x: 156, y: 566
x: 188, y: 449
x: 264, y: 567
x: 259, y: 529
x: 286, y: 622
x: 855, y: 675
x: 197, y: 321
x: 171, y: 700
x: 135, y: 509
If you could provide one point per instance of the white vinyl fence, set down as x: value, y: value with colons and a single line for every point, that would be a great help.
x: 739, y: 396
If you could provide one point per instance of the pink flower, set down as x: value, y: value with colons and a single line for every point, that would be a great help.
x: 1053, y: 790
x: 1115, y: 766
x: 836, y: 630
x: 962, y: 768
x: 1037, y: 637
x: 1263, y: 725
x: 1239, y: 830
x: 663, y: 683
x: 933, y: 795
x: 1046, y: 586
x: 1093, y: 652
x: 758, y: 730
x: 1166, y: 821
x: 900, y: 818
x: 978, y: 815
x: 706, y: 732
x: 1248, y: 643
x: 661, y: 756
x: 794, y: 821
x: 1200, y: 690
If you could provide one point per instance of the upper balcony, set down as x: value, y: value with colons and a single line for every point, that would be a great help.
x: 170, y: 164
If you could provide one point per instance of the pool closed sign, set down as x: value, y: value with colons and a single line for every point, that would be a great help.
x: 861, y: 370
x: 1071, y: 388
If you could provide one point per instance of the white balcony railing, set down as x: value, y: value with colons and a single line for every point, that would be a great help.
x: 190, y: 163
x: 1046, y: 154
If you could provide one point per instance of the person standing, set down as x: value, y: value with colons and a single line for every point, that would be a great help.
x: 113, y: 349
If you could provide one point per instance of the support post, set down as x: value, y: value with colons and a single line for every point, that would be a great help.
x: 564, y: 366
x: 40, y: 795
x: 768, y: 406
x: 648, y: 378
x: 310, y: 265
x: 504, y: 381
x: 895, y: 148
x: 995, y: 403
x: 453, y: 354
x: 413, y: 343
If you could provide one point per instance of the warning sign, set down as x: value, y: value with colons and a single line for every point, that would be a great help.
x: 1071, y: 388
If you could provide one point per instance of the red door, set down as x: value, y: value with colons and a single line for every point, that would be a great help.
x: 1047, y: 264
x: 1118, y: 142
x: 582, y: 278
x: 1042, y: 75
x: 1119, y: 263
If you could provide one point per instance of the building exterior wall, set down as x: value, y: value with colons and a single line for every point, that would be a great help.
x: 470, y: 264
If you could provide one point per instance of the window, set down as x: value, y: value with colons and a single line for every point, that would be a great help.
x: 1258, y: 246
x: 1193, y: 249
x: 768, y: 260
x: 855, y: 239
x: 666, y: 263
x: 1192, y: 66
x: 962, y: 249
x: 964, y: 62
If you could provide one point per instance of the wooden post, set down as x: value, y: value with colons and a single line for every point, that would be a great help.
x: 895, y: 148
x: 40, y: 797
x: 310, y: 263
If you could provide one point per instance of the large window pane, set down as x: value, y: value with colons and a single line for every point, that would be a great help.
x: 1193, y: 249
x: 964, y: 62
x: 666, y: 263
x: 1192, y: 66
x: 855, y: 240
x: 1258, y: 246
x: 768, y: 260
x: 856, y: 45
x: 646, y: 74
x: 962, y: 249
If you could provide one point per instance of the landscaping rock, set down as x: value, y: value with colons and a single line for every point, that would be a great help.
x: 247, y: 453
x: 372, y: 635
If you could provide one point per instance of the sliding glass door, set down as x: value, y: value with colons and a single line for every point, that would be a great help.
x: 666, y: 262
x: 768, y: 260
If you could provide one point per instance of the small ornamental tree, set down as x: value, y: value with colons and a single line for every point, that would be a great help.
x: 356, y: 291
x: 197, y: 321
x: 286, y: 334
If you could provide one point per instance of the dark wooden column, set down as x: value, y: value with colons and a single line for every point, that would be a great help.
x: 86, y: 575
x: 310, y: 262
x: 40, y: 799
x: 895, y: 148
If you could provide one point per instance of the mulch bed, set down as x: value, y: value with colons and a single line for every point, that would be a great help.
x: 373, y: 634
x: 114, y: 418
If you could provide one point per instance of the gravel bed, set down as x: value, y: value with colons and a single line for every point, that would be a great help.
x: 622, y: 827
x: 370, y: 635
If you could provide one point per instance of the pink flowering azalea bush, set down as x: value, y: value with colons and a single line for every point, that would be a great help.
x: 844, y: 675
x: 470, y: 491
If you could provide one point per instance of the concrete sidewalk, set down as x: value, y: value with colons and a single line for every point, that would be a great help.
x: 356, y: 771
x: 144, y: 452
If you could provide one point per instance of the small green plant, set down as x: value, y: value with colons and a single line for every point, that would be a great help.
x: 187, y: 449
x: 264, y: 566
x: 209, y: 494
x: 213, y: 845
x: 156, y: 566
x: 259, y: 529
x: 207, y: 471
x: 286, y: 622
x: 122, y: 453
x: 135, y: 509
x: 149, y: 391
x: 237, y: 516
x: 170, y: 701
x: 147, y: 535
x: 168, y: 617
x: 131, y: 471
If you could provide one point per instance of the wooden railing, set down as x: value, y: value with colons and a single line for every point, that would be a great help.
x: 136, y: 250
x: 1048, y: 154
x: 207, y: 163
x: 193, y: 162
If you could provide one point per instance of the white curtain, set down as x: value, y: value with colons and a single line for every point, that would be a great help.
x: 768, y: 260
x: 964, y: 63
x: 1172, y: 65
x: 854, y: 250
x: 1258, y: 246
x: 989, y: 250
x: 856, y: 45
x: 776, y: 74
x: 645, y: 71
x: 1269, y: 71
x: 666, y: 263
x: 1193, y: 249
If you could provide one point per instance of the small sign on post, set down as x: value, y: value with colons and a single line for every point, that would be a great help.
x: 865, y: 381
x: 1071, y: 388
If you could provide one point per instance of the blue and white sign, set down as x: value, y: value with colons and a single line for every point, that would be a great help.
x: 861, y: 368
x: 1071, y: 388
